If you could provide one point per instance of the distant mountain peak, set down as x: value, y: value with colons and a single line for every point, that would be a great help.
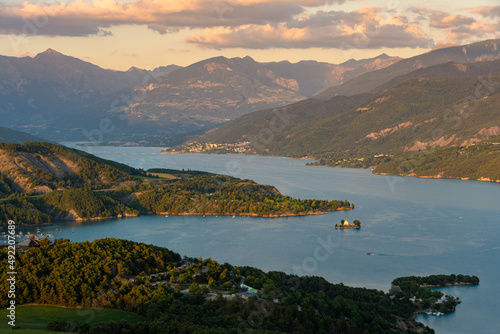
x: 134, y: 69
x: 443, y: 46
x: 50, y: 52
x: 358, y: 63
x: 383, y: 56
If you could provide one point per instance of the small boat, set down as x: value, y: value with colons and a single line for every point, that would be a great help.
x: 166, y: 215
x: 368, y: 253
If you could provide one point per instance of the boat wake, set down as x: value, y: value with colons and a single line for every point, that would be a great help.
x: 377, y: 254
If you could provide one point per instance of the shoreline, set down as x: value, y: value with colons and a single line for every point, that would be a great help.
x: 167, y: 151
x: 437, y: 177
x: 483, y: 179
x: 253, y: 215
x: 448, y: 285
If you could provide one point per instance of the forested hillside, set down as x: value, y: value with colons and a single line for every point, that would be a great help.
x: 36, y: 167
x: 250, y: 126
x: 476, y: 162
x: 18, y: 137
x: 417, y: 114
x: 119, y: 274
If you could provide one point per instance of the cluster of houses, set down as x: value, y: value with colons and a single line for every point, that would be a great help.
x: 441, y: 300
x: 239, y: 147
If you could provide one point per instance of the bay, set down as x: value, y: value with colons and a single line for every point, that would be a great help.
x: 412, y: 226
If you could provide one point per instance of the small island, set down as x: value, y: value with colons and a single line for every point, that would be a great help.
x: 345, y: 224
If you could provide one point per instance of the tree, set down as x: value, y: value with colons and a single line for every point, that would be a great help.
x: 194, y: 288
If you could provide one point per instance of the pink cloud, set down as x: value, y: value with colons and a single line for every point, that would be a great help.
x: 364, y: 29
x: 487, y: 11
x: 80, y: 18
x: 255, y: 23
x: 24, y: 54
x: 449, y: 21
x: 458, y: 28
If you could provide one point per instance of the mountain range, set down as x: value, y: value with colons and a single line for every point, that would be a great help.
x: 378, y: 107
x: 443, y: 105
x: 486, y: 50
x: 43, y: 95
x: 64, y: 98
x: 313, y: 77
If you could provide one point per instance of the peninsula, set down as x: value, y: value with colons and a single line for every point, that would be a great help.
x: 42, y: 182
x: 432, y: 302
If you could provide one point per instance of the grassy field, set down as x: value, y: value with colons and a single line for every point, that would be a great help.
x: 34, y: 318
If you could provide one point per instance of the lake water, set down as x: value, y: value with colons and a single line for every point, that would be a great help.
x: 413, y: 226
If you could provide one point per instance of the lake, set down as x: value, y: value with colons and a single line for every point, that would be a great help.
x: 413, y: 226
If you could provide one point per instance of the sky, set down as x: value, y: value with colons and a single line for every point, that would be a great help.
x: 119, y: 34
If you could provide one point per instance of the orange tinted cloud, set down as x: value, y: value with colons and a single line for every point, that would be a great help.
x: 80, y: 18
x: 459, y: 28
x: 256, y: 24
x: 487, y: 11
x: 365, y: 29
x: 449, y: 21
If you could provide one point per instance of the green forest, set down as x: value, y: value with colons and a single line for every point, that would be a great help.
x: 148, y: 280
x: 438, y: 280
x: 99, y: 188
x: 197, y: 195
x: 474, y: 162
x: 222, y: 195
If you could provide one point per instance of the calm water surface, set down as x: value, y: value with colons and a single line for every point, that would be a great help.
x: 413, y: 226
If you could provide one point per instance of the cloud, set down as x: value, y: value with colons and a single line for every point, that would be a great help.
x: 442, y: 20
x: 487, y: 11
x: 450, y: 21
x: 484, y: 29
x: 24, y: 54
x: 364, y: 29
x: 82, y: 18
x: 458, y: 28
x: 255, y: 24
